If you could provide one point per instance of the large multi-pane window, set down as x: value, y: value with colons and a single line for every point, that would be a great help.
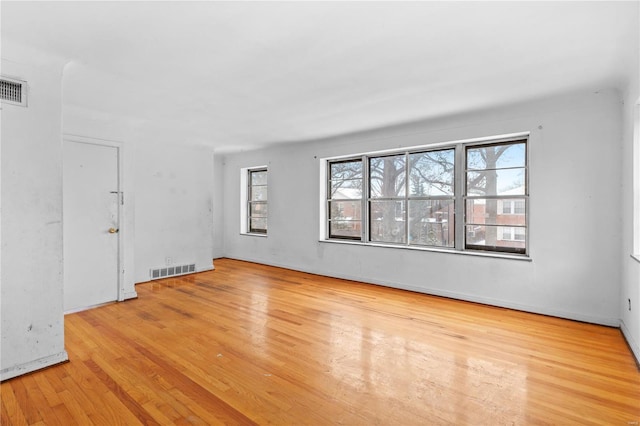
x: 257, y: 207
x: 463, y: 197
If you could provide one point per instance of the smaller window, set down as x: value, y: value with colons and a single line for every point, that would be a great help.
x: 257, y: 207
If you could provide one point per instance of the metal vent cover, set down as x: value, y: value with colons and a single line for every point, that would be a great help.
x: 172, y: 271
x: 13, y: 91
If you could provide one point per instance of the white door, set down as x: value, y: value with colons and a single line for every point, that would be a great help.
x: 91, y: 234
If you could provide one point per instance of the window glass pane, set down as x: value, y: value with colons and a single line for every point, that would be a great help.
x: 257, y: 201
x: 342, y: 170
x: 346, y: 189
x: 387, y: 221
x: 431, y: 173
x: 519, y: 207
x: 258, y: 193
x: 259, y: 177
x: 496, y: 156
x: 481, y: 211
x: 258, y: 209
x: 350, y: 210
x: 345, y: 228
x: 258, y: 224
x: 496, y: 182
x: 387, y: 176
x: 345, y: 183
x: 496, y: 238
x: 513, y: 206
x: 431, y: 222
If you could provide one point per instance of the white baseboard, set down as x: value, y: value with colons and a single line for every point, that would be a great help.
x: 635, y: 347
x: 130, y: 295
x: 28, y: 367
x: 611, y: 322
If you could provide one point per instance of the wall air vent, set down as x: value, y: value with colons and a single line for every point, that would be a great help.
x: 13, y: 92
x: 172, y: 271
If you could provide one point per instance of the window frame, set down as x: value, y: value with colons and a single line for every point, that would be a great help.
x: 459, y: 197
x: 246, y: 189
x: 393, y: 199
x: 251, y: 202
x: 497, y: 197
x: 636, y: 182
x: 329, y: 199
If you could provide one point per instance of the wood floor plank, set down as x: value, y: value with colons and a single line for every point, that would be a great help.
x: 47, y: 390
x: 25, y: 402
x: 38, y: 399
x: 73, y: 403
x: 253, y: 344
x: 10, y: 406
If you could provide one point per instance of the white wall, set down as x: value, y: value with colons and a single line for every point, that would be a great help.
x: 168, y: 191
x: 168, y: 176
x: 630, y: 289
x: 174, y: 207
x: 575, y: 150
x: 31, y: 272
x: 218, y: 210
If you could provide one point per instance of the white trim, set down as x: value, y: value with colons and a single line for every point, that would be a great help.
x: 244, y: 194
x: 38, y: 364
x: 253, y: 234
x: 498, y: 255
x: 86, y: 308
x: 635, y: 347
x: 129, y: 295
x: 323, y: 199
x: 610, y: 322
x: 119, y: 146
x: 635, y: 185
x: 484, y: 139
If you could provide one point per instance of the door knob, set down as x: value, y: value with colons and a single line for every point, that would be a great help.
x: 113, y: 230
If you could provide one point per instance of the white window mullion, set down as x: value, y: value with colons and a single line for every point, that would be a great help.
x: 460, y: 199
x: 365, y: 199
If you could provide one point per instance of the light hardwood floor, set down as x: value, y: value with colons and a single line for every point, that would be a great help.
x: 251, y: 344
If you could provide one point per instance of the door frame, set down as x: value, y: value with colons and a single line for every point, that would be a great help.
x: 120, y: 165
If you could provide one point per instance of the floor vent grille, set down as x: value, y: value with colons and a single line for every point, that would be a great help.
x: 172, y: 271
x: 13, y: 91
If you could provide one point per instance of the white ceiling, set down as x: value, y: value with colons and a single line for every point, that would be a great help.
x: 243, y: 74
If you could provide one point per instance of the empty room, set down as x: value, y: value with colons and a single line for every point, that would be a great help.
x: 359, y: 213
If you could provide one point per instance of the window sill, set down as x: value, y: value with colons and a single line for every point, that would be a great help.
x: 436, y: 250
x: 253, y: 234
x: 636, y: 257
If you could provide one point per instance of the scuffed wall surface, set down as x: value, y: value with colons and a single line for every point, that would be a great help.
x: 31, y: 281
